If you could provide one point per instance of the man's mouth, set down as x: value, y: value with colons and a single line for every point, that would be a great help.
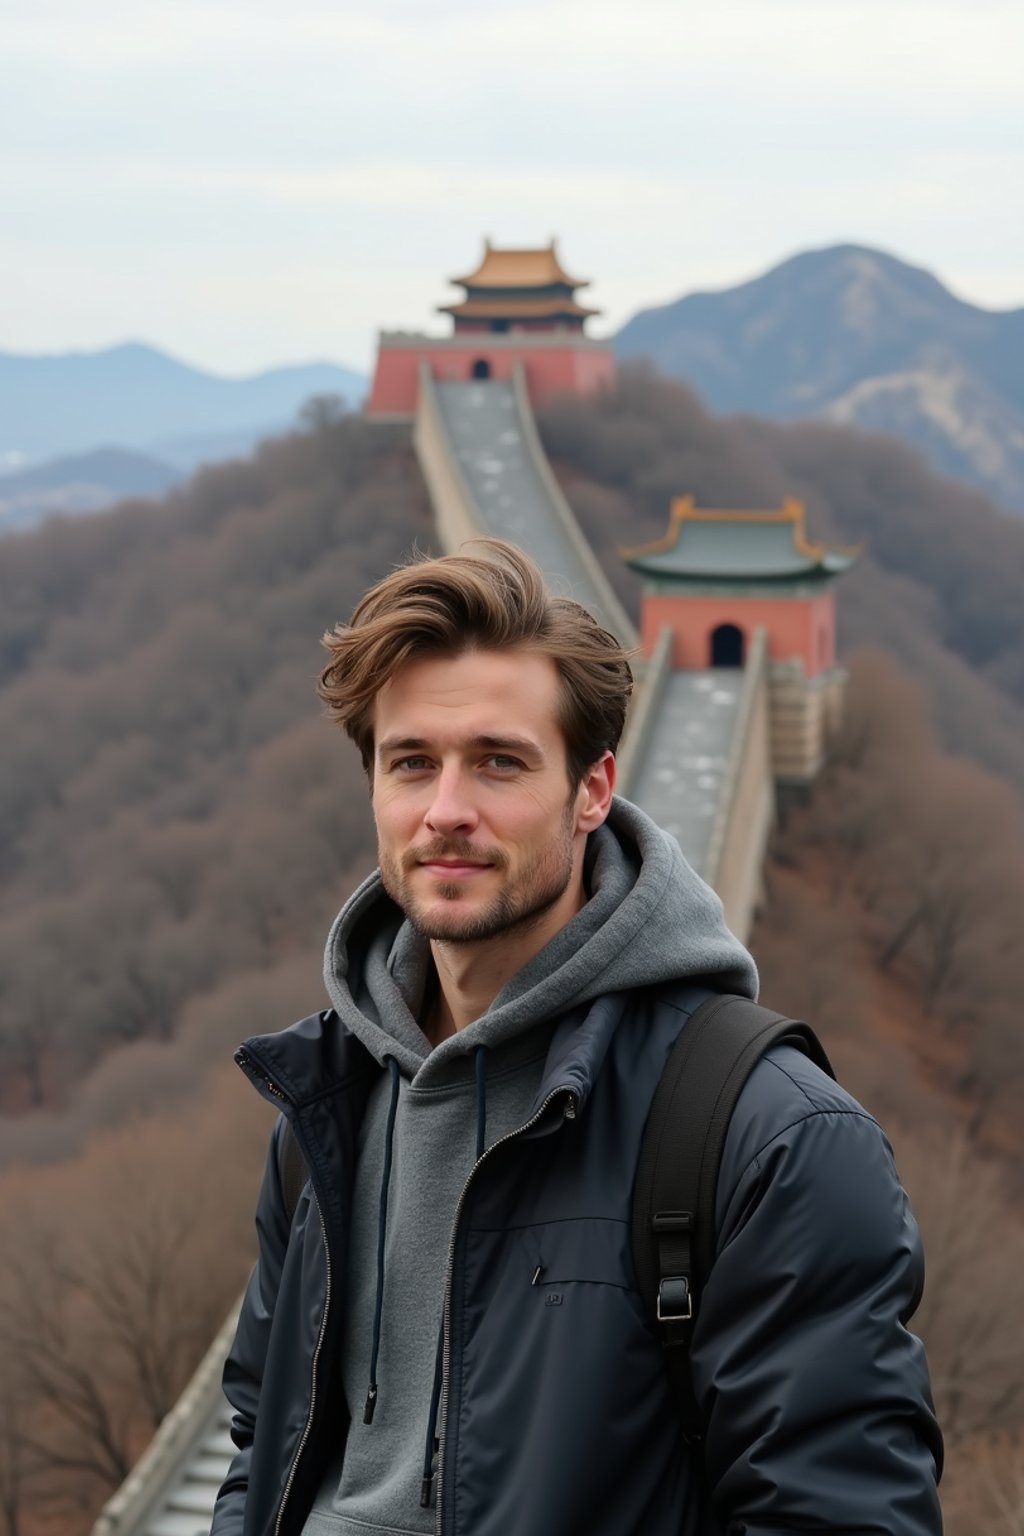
x: 452, y: 867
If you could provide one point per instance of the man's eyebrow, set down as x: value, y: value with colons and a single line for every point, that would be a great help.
x: 521, y: 744
x: 508, y: 744
x: 400, y: 744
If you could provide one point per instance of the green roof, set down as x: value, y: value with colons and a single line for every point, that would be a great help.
x: 703, y: 545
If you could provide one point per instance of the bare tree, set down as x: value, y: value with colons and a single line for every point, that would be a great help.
x: 320, y: 413
x: 123, y: 1269
x: 984, y: 1488
x: 975, y: 1246
x: 18, y: 1468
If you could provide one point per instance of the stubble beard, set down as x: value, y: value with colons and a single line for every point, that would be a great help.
x: 514, y: 910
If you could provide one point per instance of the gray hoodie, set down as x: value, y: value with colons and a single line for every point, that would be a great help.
x: 648, y: 918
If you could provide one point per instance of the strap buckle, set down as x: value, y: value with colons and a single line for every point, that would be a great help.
x: 675, y: 1303
x: 669, y: 1222
x: 674, y: 1232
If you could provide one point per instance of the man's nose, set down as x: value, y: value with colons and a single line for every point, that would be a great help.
x: 451, y: 808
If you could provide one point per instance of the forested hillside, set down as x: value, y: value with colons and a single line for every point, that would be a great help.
x: 178, y: 825
x: 173, y: 810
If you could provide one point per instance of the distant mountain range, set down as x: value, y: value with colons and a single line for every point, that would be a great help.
x: 83, y: 482
x: 856, y: 336
x: 849, y: 334
x: 168, y: 416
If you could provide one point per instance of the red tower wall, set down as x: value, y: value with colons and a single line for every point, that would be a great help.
x: 549, y: 368
x: 797, y: 627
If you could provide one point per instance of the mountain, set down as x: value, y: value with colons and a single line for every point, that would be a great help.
x: 80, y: 483
x: 859, y: 337
x: 136, y: 396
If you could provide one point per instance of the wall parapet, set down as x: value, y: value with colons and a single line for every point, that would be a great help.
x: 450, y: 495
x: 642, y: 716
x: 744, y: 753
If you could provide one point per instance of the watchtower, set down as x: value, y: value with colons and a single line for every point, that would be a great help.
x: 518, y: 314
x: 716, y: 578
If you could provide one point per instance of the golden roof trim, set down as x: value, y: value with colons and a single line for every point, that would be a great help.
x: 542, y: 264
x: 683, y: 510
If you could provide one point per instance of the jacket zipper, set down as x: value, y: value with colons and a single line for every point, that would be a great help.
x: 313, y: 1378
x: 570, y: 1114
x: 245, y: 1061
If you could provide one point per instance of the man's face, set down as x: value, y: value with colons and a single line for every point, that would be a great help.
x: 478, y: 834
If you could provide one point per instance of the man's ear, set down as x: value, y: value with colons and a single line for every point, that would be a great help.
x: 594, y: 796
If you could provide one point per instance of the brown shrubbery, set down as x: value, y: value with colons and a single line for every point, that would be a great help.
x: 116, y: 1273
x: 922, y: 860
x: 173, y: 810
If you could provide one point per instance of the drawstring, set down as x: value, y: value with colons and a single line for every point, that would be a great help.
x: 433, y: 1442
x: 378, y: 1307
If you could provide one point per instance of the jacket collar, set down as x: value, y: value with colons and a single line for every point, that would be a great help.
x: 319, y: 1056
x: 311, y: 1060
x: 578, y: 1048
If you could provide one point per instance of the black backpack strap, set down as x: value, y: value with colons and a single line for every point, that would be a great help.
x: 673, y: 1216
x: 291, y: 1169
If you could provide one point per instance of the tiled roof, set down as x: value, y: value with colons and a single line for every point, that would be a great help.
x: 528, y: 267
x: 704, y: 544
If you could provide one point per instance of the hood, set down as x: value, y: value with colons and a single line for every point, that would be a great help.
x: 649, y: 917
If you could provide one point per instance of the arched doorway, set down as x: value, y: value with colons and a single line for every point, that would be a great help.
x: 727, y: 646
x: 481, y: 368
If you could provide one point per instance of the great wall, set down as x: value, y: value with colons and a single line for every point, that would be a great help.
x: 737, y: 682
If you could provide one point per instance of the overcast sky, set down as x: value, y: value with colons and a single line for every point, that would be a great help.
x: 249, y: 183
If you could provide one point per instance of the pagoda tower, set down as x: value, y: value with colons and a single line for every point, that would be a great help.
x: 518, y: 314
x: 718, y: 578
x: 518, y: 290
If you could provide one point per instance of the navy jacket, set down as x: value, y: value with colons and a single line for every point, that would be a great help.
x: 815, y: 1396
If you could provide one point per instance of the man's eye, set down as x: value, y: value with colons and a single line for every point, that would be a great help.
x: 503, y: 761
x: 412, y: 764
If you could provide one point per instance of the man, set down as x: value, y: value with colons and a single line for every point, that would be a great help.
x: 447, y: 1335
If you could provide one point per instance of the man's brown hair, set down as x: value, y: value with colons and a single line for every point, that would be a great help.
x: 492, y: 601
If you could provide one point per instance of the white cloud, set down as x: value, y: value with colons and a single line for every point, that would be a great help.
x: 344, y: 159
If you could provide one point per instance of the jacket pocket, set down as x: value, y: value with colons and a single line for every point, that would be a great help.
x: 583, y: 1249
